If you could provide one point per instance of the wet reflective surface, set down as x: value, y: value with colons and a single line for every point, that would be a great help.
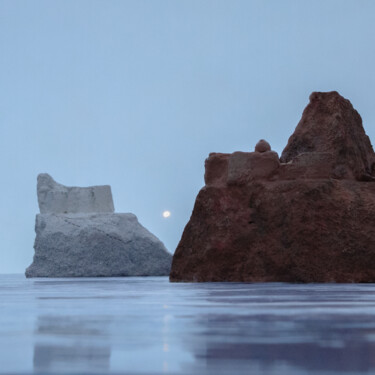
x: 150, y: 326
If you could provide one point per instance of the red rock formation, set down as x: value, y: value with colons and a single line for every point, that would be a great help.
x: 308, y: 218
x: 330, y: 124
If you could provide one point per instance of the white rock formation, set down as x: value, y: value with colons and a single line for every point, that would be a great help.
x: 92, y: 244
x: 59, y: 199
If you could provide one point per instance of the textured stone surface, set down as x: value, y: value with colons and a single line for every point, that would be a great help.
x: 247, y: 166
x: 330, y: 124
x: 73, y: 241
x: 103, y: 244
x: 308, y: 218
x: 216, y: 169
x: 262, y: 146
x: 60, y: 199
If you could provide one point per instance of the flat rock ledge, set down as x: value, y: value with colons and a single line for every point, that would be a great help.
x: 308, y: 216
x: 99, y: 244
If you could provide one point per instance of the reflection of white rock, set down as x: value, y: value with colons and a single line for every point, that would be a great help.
x: 93, y: 244
x: 59, y: 199
x: 90, y: 358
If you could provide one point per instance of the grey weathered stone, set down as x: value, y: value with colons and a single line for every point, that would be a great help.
x: 60, y: 199
x: 103, y: 244
x: 91, y: 244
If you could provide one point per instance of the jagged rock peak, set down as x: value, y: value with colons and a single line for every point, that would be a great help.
x: 330, y: 124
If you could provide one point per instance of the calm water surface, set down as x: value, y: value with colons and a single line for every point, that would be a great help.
x: 150, y: 326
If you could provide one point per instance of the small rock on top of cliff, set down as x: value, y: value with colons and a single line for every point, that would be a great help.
x: 262, y: 146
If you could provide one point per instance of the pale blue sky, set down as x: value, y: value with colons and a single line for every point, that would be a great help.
x: 136, y: 94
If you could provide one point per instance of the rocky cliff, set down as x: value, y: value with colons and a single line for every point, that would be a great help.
x: 79, y: 235
x: 306, y: 217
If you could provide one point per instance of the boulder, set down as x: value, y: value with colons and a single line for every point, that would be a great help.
x: 309, y: 217
x: 91, y: 244
x: 102, y: 244
x: 262, y: 146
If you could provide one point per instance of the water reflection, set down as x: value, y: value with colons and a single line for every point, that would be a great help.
x: 73, y: 343
x: 207, y: 328
x: 286, y: 331
x: 149, y: 326
x: 75, y: 358
x: 266, y: 341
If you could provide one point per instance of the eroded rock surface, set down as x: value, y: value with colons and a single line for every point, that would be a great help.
x: 330, y: 124
x: 308, y: 217
x: 93, y: 245
x: 59, y: 199
x: 73, y: 241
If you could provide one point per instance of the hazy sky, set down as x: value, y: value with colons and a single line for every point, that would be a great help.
x: 136, y: 94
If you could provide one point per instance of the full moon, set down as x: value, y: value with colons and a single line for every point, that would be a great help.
x: 166, y: 214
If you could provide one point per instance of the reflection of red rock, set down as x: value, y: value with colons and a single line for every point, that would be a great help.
x: 310, y: 218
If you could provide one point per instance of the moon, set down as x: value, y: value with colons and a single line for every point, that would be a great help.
x: 166, y: 214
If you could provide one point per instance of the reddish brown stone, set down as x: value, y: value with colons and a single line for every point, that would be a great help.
x: 330, y: 124
x: 248, y: 166
x: 308, y: 165
x: 262, y: 146
x: 310, y: 218
x: 216, y: 169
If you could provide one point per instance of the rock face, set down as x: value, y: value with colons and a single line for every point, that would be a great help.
x: 88, y: 244
x: 308, y: 217
x: 59, y: 199
x: 330, y: 124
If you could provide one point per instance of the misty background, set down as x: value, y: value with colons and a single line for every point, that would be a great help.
x: 136, y: 94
